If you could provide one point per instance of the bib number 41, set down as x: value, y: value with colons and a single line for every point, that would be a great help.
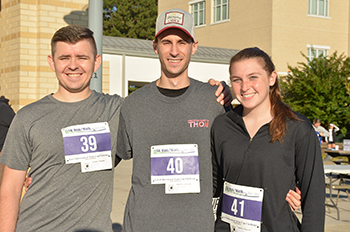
x: 237, y: 207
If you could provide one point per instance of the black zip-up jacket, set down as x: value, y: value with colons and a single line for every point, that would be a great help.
x: 6, y: 116
x: 275, y: 167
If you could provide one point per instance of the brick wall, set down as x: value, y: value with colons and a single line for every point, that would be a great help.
x: 26, y: 27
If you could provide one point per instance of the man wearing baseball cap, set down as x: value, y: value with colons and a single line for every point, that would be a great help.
x: 165, y: 128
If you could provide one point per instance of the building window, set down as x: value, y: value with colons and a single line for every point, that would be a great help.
x: 220, y: 10
x: 316, y: 51
x: 319, y: 7
x: 198, y: 12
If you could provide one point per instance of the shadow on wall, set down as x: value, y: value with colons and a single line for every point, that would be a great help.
x: 78, y: 17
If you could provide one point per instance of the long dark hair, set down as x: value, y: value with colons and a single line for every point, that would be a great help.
x: 280, y: 110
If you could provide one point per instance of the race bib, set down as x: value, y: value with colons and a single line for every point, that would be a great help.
x: 88, y: 144
x: 177, y: 167
x: 241, y: 207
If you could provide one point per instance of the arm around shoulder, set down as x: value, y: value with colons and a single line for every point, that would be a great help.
x: 10, y: 195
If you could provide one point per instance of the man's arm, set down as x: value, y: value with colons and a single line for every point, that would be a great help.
x: 10, y: 195
x: 323, y: 131
x: 223, y: 93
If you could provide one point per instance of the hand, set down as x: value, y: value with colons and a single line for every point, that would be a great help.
x: 294, y: 199
x: 26, y: 183
x: 223, y: 93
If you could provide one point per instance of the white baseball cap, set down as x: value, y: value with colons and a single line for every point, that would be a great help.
x: 175, y: 18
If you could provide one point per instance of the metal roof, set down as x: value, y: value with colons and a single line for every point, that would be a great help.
x: 143, y: 48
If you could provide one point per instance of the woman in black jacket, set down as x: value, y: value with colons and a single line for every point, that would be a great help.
x: 262, y: 149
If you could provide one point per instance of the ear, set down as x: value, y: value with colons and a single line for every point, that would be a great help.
x: 194, y: 47
x: 97, y: 62
x: 155, y: 47
x: 51, y: 62
x: 273, y: 78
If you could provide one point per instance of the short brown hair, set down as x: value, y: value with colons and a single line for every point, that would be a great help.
x: 73, y: 34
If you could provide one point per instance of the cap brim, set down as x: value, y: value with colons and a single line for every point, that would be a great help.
x: 166, y: 28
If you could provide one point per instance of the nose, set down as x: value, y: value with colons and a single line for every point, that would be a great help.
x: 245, y: 85
x: 174, y: 50
x: 73, y: 64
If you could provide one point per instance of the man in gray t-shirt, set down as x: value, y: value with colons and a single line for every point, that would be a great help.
x: 165, y: 128
x: 68, y: 139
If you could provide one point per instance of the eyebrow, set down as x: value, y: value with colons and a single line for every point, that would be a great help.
x: 180, y: 40
x: 79, y: 56
x: 250, y: 74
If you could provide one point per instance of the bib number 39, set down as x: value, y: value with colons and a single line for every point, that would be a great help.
x: 89, y: 143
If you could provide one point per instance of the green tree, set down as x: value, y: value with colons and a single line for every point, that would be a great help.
x: 319, y: 88
x: 130, y: 18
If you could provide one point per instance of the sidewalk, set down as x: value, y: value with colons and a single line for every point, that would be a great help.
x: 122, y: 183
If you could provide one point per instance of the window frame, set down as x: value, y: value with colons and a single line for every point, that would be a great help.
x: 317, y: 49
x: 317, y: 14
x: 192, y: 4
x: 221, y: 6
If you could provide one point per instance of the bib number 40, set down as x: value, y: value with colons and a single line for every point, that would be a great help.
x: 175, y: 165
x: 237, y: 207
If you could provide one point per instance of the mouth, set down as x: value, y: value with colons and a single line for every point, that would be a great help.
x: 74, y: 74
x: 174, y: 61
x: 250, y: 95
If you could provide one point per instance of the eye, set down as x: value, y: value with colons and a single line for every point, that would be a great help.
x: 235, y: 80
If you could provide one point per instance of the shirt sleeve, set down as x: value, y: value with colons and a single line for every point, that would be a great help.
x: 310, y: 175
x: 124, y: 149
x: 217, y: 172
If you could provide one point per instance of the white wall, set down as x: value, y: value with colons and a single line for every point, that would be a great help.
x: 142, y: 69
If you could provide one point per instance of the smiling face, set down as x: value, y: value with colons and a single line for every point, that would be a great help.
x: 174, y: 48
x: 251, y: 83
x: 74, y: 65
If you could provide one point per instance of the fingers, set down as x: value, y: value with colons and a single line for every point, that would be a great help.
x: 220, y: 89
x: 223, y: 93
x: 213, y: 82
x: 227, y: 94
x: 293, y: 198
x: 27, y: 182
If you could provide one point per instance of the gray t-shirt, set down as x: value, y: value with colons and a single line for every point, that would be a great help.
x: 149, y: 118
x: 61, y: 197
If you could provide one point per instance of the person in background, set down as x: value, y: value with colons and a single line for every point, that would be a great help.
x: 6, y: 116
x: 320, y: 130
x: 331, y: 139
x: 262, y: 149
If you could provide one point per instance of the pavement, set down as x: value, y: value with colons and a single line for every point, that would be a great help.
x: 122, y: 183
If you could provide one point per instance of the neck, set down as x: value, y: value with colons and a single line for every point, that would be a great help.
x: 261, y: 115
x: 71, y: 97
x: 173, y: 83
